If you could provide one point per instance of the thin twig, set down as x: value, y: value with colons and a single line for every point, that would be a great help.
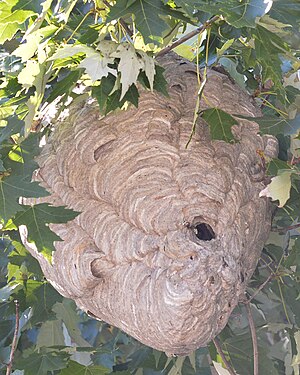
x: 15, y: 340
x: 125, y: 27
x: 260, y: 287
x: 188, y: 36
x: 254, y: 338
x: 286, y: 229
x: 122, y: 22
x: 224, y: 359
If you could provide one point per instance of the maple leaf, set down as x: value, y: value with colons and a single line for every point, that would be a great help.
x: 279, y: 188
x: 129, y: 66
x: 97, y: 67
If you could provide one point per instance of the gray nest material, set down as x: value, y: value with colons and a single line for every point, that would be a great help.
x: 168, y: 236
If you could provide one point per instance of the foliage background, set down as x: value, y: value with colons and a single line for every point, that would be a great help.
x: 56, y: 51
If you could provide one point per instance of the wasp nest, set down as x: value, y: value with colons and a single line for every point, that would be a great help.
x: 168, y: 236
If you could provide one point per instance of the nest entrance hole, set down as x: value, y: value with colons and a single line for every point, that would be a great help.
x: 204, y: 232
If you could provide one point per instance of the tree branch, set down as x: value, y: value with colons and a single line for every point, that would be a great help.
x: 188, y: 36
x: 224, y: 359
x: 15, y: 339
x: 254, y: 338
x: 260, y: 288
x: 286, y: 229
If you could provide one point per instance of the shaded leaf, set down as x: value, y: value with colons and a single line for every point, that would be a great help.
x: 65, y: 86
x: 102, y: 91
x: 65, y: 311
x: 287, y: 11
x: 147, y: 14
x: 268, y: 48
x: 38, y: 363
x: 50, y: 334
x: 14, y: 125
x: 160, y: 83
x: 219, y: 123
x: 41, y: 296
x: 75, y: 368
x: 114, y: 101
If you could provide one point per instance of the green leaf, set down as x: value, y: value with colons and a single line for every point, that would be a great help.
x: 13, y: 14
x: 230, y: 66
x: 238, y: 13
x: 39, y: 363
x: 287, y: 11
x: 66, y: 311
x: 20, y: 159
x: 148, y: 16
x: 8, y: 30
x: 74, y: 368
x: 160, y: 83
x: 37, y: 218
x: 14, y: 187
x: 274, y: 125
x: 14, y: 125
x: 41, y: 296
x: 219, y: 123
x: 65, y: 86
x: 50, y: 334
x: 244, y: 12
x: 268, y: 48
x: 114, y: 101
x: 102, y: 91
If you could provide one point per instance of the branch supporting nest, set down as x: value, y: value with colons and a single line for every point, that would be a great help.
x: 188, y: 36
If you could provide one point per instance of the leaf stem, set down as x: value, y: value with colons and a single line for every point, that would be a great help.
x: 283, y: 302
x: 222, y: 355
x: 254, y: 337
x: 188, y: 36
x: 15, y: 339
x: 78, y: 26
x: 261, y: 287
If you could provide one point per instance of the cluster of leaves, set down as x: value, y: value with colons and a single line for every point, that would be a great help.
x: 56, y: 52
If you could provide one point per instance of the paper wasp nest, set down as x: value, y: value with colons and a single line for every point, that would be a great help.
x: 168, y: 236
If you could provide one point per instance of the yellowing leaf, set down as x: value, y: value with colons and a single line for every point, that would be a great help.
x: 220, y: 370
x: 97, y: 67
x: 28, y: 75
x: 70, y: 50
x: 129, y: 66
x: 279, y: 188
x: 149, y: 67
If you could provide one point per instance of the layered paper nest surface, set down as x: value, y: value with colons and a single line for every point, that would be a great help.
x: 168, y: 236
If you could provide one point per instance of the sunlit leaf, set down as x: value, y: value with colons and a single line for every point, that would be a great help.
x: 37, y: 217
x: 279, y: 188
x: 14, y: 187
